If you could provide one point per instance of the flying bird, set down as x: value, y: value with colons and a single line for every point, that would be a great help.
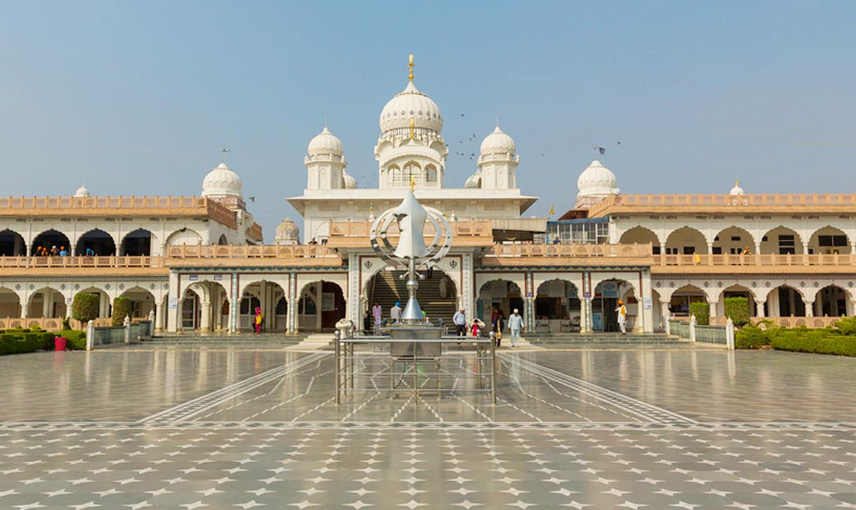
x: 252, y: 199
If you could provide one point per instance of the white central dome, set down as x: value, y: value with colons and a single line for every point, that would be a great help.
x: 736, y: 190
x: 221, y: 182
x: 411, y: 104
x: 597, y: 180
x: 325, y: 142
x: 82, y: 192
x: 497, y: 143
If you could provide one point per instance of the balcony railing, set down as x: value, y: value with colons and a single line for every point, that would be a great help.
x: 475, y: 228
x: 201, y: 206
x: 617, y: 202
x: 755, y: 260
x: 81, y: 262
x: 250, y: 251
x: 569, y: 250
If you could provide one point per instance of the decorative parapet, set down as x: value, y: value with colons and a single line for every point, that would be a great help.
x: 126, y: 261
x: 567, y: 255
x: 109, y: 206
x: 252, y: 255
x: 355, y: 234
x: 724, y: 204
x: 754, y: 263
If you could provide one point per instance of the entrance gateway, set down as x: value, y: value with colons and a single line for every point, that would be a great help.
x: 413, y: 350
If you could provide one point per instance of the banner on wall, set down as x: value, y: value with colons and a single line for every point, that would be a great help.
x: 647, y: 303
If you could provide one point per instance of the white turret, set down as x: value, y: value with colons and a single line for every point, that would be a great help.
x: 736, y: 190
x: 325, y: 164
x: 410, y: 144
x: 287, y: 233
x: 595, y: 183
x: 498, y: 161
x: 82, y: 192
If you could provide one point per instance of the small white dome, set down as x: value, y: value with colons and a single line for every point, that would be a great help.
x: 474, y: 181
x: 597, y: 180
x: 736, y: 190
x: 411, y: 104
x: 82, y: 192
x: 287, y: 233
x: 325, y: 142
x: 221, y: 182
x: 497, y: 143
x: 348, y: 180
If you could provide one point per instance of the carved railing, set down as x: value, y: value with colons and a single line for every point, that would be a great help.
x: 702, y: 201
x: 54, y: 324
x: 756, y: 260
x: 786, y: 322
x: 475, y: 228
x: 127, y: 261
x: 250, y: 251
x: 569, y: 250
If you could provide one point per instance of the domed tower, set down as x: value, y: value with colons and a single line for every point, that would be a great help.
x: 224, y: 185
x: 325, y: 164
x: 410, y: 144
x: 82, y: 192
x: 736, y: 190
x: 498, y: 161
x: 595, y: 183
x: 287, y: 233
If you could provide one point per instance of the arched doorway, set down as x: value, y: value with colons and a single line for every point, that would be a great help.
x: 605, y: 301
x: 557, y: 307
x: 781, y: 241
x: 10, y: 304
x: 142, y: 302
x: 47, y: 303
x: 682, y: 298
x: 686, y: 241
x: 831, y: 301
x: 137, y: 243
x: 222, y: 241
x: 320, y: 306
x: 504, y: 295
x: 191, y: 309
x: 95, y: 243
x: 46, y: 241
x: 785, y: 301
x: 733, y: 241
x: 184, y: 236
x: 270, y: 298
x: 829, y: 241
x: 12, y: 244
x: 641, y: 235
x: 437, y: 293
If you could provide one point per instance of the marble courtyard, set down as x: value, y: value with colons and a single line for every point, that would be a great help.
x: 599, y: 426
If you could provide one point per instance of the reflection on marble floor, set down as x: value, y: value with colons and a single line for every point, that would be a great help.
x: 594, y: 428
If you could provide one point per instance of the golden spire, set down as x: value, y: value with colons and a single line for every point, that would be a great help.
x: 412, y: 127
x: 412, y: 184
x: 410, y: 65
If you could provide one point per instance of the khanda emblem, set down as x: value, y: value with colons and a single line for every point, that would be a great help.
x: 410, y: 216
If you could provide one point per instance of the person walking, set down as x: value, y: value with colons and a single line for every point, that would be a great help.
x: 257, y: 322
x: 377, y: 313
x: 460, y: 320
x: 622, y: 317
x: 515, y: 324
x: 496, y: 321
x: 395, y: 312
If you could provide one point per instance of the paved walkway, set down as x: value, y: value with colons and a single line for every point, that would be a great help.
x: 630, y: 427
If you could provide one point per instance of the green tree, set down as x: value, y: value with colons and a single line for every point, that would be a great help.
x: 122, y: 307
x: 85, y: 306
x: 737, y: 309
x: 701, y: 310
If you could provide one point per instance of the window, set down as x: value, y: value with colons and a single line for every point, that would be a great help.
x: 430, y: 174
x: 828, y: 241
x: 717, y: 250
x: 689, y: 250
x: 787, y: 245
x: 735, y: 238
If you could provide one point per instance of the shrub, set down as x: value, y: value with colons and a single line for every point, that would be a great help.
x: 66, y: 323
x: 815, y: 341
x: 751, y: 337
x: 122, y: 307
x: 737, y: 309
x: 847, y: 326
x: 85, y: 306
x: 76, y: 339
x: 701, y: 312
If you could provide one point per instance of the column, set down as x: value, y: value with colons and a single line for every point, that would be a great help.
x: 104, y: 306
x: 585, y: 304
x: 319, y: 302
x: 234, y: 308
x: 354, y: 303
x: 646, y: 313
x: 158, y: 317
x: 805, y: 247
x: 809, y: 308
x: 47, y: 304
x: 173, y: 302
x: 759, y: 308
x: 664, y: 312
x: 206, y: 315
x: 714, y: 309
x: 757, y: 247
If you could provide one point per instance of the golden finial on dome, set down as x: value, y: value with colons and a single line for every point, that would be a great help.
x: 412, y: 127
x: 737, y: 182
x: 412, y: 184
x: 410, y: 65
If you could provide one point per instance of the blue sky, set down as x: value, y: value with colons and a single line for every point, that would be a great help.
x: 136, y: 98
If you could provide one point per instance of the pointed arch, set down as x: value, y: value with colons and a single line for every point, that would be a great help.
x: 96, y: 242
x: 829, y: 240
x: 686, y: 241
x: 733, y: 240
x: 781, y: 241
x: 47, y: 240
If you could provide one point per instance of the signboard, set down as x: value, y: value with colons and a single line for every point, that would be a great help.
x: 218, y: 277
x: 609, y: 289
x: 647, y: 303
x: 173, y: 303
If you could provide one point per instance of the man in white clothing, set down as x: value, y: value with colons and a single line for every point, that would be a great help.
x: 515, y: 324
x: 460, y: 320
x: 395, y: 313
x: 622, y: 317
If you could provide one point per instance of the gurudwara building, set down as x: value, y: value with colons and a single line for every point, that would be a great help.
x: 200, y: 264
